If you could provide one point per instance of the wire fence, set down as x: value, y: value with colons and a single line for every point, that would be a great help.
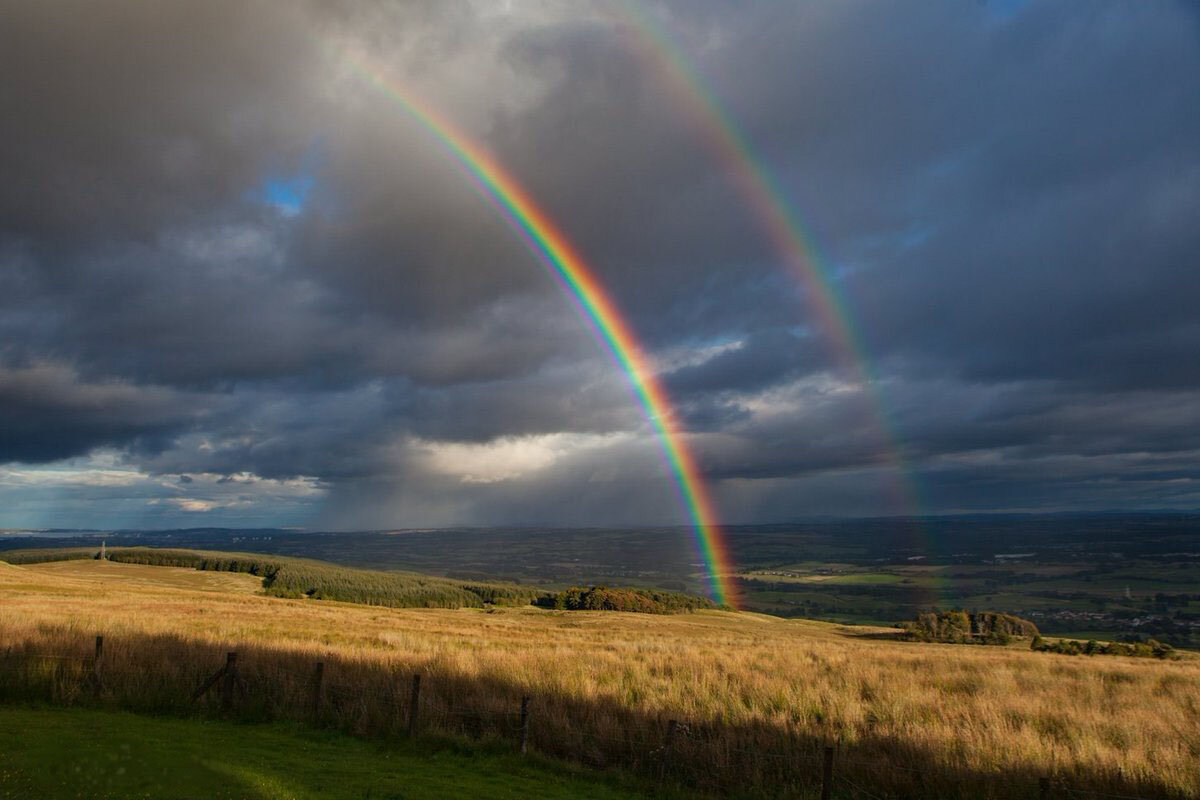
x: 706, y: 756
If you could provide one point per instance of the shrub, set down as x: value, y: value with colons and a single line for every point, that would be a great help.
x: 963, y: 627
x: 602, y: 598
x: 1070, y: 647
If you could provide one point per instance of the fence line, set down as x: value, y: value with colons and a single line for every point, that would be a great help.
x: 660, y: 754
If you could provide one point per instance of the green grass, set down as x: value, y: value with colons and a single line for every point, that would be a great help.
x: 70, y: 753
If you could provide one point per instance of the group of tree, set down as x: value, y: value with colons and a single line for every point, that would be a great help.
x: 968, y: 627
x: 602, y: 598
x: 1150, y: 648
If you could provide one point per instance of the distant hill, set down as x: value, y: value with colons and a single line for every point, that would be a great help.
x: 283, y: 576
x: 298, y: 577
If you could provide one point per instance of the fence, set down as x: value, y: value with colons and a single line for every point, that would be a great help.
x: 174, y: 675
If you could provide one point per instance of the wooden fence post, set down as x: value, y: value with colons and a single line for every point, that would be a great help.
x: 318, y: 677
x: 413, y: 703
x: 230, y: 681
x: 827, y: 774
x: 208, y: 684
x: 1043, y: 789
x: 96, y: 665
x: 524, y: 724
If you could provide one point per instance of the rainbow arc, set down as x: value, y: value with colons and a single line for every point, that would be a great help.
x: 553, y: 249
x: 768, y: 202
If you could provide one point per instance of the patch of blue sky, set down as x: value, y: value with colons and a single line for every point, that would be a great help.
x: 287, y: 194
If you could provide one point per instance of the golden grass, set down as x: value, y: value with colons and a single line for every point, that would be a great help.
x: 761, y: 694
x: 131, y: 575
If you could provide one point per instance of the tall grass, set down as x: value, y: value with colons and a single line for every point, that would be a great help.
x: 760, y: 696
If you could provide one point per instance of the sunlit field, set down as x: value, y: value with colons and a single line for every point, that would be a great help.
x: 133, y: 575
x: 759, y: 696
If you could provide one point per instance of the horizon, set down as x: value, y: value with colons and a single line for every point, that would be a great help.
x: 518, y: 526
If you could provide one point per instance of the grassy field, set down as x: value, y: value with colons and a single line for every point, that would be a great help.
x: 72, y: 753
x: 301, y: 577
x: 132, y: 575
x: 760, y: 696
x: 304, y: 578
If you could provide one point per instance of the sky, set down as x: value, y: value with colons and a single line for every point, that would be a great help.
x: 240, y: 286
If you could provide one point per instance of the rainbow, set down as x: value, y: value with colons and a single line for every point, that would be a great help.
x: 769, y: 204
x: 563, y: 261
x: 797, y: 248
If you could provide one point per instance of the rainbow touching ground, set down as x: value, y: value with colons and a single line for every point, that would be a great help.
x: 768, y: 202
x: 564, y: 262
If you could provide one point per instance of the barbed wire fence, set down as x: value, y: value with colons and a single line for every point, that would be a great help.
x: 400, y: 703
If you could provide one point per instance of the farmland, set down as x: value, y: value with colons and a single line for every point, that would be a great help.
x: 1097, y: 599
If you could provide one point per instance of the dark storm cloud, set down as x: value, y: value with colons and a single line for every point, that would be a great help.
x: 50, y: 414
x: 1005, y: 197
x: 118, y: 119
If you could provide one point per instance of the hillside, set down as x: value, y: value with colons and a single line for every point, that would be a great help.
x: 305, y: 578
x: 301, y: 577
x: 132, y: 575
x: 758, y: 696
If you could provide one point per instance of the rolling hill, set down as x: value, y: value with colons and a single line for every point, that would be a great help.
x: 714, y: 702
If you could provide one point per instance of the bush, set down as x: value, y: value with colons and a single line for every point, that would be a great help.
x: 963, y: 627
x: 601, y: 598
x: 1070, y: 647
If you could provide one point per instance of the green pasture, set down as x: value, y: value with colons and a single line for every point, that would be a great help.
x: 51, y: 753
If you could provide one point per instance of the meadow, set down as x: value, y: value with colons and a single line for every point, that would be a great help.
x: 281, y: 576
x: 757, y: 697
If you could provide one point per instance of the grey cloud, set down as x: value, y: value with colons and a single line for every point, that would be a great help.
x: 49, y: 413
x: 1005, y: 201
x: 122, y: 117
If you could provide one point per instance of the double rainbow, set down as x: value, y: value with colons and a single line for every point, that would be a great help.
x: 522, y: 213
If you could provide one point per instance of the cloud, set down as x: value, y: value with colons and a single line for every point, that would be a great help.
x: 51, y: 413
x: 68, y: 493
x: 225, y: 252
x: 502, y: 459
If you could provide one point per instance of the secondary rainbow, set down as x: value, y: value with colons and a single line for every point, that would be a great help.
x: 563, y: 261
x: 769, y: 203
x: 779, y: 220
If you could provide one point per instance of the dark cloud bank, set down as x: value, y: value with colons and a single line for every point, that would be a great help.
x: 1007, y: 195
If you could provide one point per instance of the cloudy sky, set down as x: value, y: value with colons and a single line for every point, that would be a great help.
x: 240, y: 286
